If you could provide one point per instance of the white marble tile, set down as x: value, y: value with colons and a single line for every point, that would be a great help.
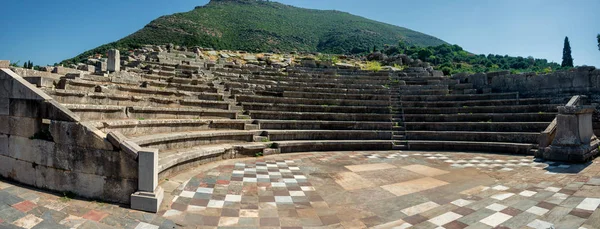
x: 445, y: 218
x: 496, y: 207
x: 537, y: 210
x: 527, y: 193
x: 495, y: 219
x: 461, y: 202
x: 539, y: 224
x: 590, y: 204
x: 410, y: 211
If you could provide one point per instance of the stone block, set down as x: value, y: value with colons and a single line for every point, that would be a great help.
x: 59, y: 70
x: 21, y: 89
x: 114, y: 61
x: 115, y: 138
x: 4, y: 106
x: 23, y: 126
x: 470, y: 91
x: 478, y: 80
x: 4, y: 124
x: 147, y: 201
x: 130, y: 148
x: 30, y: 150
x: 101, y: 66
x: 586, y: 131
x: 24, y: 108
x: 567, y: 133
x: 4, y: 63
x: 4, y: 144
x: 79, y: 134
x: 17, y: 170
x: 52, y: 109
x: 5, y: 87
x: 147, y: 169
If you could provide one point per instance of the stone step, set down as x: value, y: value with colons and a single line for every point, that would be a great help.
x: 493, y: 96
x: 134, y: 127
x: 338, y: 80
x: 309, y: 84
x: 400, y: 147
x: 330, y: 102
x: 180, y: 140
x: 481, y: 117
x: 174, y: 161
x: 483, y: 109
x: 289, y: 135
x: 330, y: 90
x: 332, y: 145
x: 314, y: 95
x: 82, y: 97
x: 473, y: 103
x: 181, y: 87
x: 322, y: 125
x: 398, y: 137
x: 403, y: 93
x: 398, y: 128
x: 314, y: 108
x: 486, y: 147
x: 479, y: 126
x: 280, y: 115
x: 474, y: 136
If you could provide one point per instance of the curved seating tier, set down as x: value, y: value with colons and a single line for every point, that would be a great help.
x: 301, y: 112
x: 492, y: 122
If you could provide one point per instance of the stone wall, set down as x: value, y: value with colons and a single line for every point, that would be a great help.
x: 43, y: 144
x: 563, y: 84
x: 582, y: 80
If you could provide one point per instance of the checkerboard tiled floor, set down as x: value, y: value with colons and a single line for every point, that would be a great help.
x: 343, y: 190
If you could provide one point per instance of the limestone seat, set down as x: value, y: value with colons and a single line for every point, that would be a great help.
x: 322, y: 125
x: 314, y: 108
x: 288, y: 135
x: 178, y: 140
x: 332, y: 145
x: 281, y: 115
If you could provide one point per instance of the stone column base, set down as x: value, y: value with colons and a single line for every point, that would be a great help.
x: 576, y: 154
x: 147, y: 201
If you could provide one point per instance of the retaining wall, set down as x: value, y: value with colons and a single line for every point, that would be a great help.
x: 43, y: 144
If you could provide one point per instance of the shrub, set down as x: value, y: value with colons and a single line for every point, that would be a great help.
x: 373, y: 66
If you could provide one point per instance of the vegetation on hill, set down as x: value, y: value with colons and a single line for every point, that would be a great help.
x: 453, y: 59
x: 263, y: 26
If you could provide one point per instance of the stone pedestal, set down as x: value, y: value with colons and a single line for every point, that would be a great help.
x: 149, y: 194
x: 114, y: 60
x: 575, y: 140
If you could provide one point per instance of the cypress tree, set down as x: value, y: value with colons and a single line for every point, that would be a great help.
x: 598, y: 37
x: 567, y: 58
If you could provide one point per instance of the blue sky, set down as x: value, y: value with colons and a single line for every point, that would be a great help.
x: 50, y: 31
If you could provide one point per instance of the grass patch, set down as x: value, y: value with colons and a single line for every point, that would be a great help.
x: 373, y: 66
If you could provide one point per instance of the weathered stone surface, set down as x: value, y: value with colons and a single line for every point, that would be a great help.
x: 79, y: 134
x: 147, y: 169
x: 4, y: 63
x: 147, y: 201
x: 114, y: 61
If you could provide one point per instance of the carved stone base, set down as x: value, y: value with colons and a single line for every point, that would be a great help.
x: 147, y: 201
x: 575, y: 154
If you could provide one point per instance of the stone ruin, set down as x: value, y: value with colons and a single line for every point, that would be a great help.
x: 113, y: 128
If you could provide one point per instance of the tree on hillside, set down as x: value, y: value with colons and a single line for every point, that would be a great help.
x: 598, y: 37
x: 567, y: 58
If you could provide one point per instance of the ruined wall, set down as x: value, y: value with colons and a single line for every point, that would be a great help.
x: 563, y: 84
x: 44, y: 145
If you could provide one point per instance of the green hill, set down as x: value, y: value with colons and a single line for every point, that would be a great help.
x: 253, y: 25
